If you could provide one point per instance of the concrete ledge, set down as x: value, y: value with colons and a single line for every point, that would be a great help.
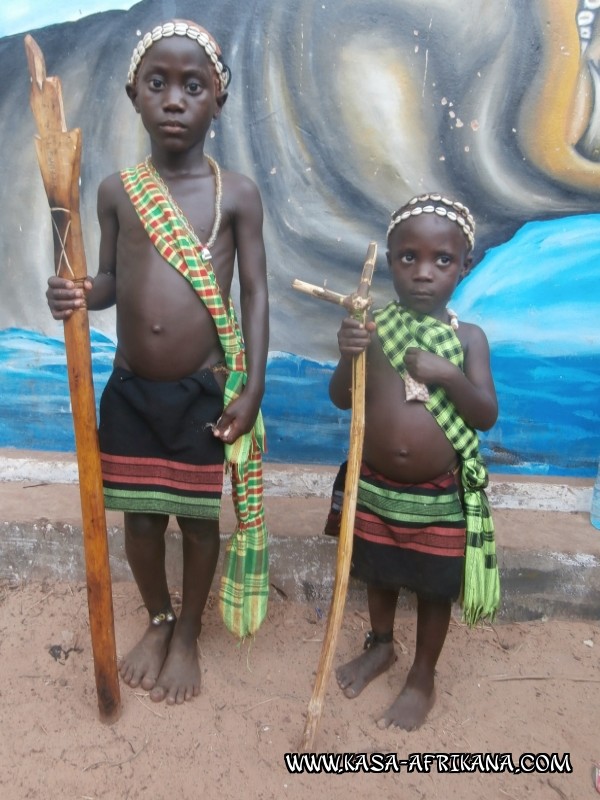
x: 539, y: 494
x: 534, y: 583
x: 548, y: 552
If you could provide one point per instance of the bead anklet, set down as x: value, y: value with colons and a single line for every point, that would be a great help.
x: 164, y: 616
x: 371, y: 639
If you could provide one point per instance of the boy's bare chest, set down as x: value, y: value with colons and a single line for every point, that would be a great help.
x: 386, y: 398
x: 138, y: 258
x: 197, y: 219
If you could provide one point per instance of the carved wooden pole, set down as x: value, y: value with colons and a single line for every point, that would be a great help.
x: 59, y: 156
x: 357, y: 304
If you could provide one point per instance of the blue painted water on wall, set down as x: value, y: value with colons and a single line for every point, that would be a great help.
x: 548, y: 422
x: 541, y: 290
x: 537, y: 297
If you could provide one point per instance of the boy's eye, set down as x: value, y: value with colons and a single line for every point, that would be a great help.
x: 407, y: 258
x: 194, y: 87
x: 444, y: 261
x: 156, y: 83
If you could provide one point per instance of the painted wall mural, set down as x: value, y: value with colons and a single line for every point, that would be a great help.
x: 340, y: 111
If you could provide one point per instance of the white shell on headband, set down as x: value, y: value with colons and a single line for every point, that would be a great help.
x: 454, y: 211
x: 168, y: 29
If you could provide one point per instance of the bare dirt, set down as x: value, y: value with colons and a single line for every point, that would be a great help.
x: 512, y: 688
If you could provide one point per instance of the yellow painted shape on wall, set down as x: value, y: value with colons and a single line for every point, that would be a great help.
x: 552, y: 111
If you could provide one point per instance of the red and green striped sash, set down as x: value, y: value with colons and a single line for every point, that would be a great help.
x: 245, y: 581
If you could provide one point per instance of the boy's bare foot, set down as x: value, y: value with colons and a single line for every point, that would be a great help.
x: 142, y: 665
x: 179, y: 679
x: 358, y: 673
x: 411, y: 707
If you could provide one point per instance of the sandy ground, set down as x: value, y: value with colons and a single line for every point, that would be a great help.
x: 512, y: 688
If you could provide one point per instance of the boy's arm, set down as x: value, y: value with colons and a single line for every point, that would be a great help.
x: 353, y: 338
x: 65, y: 296
x: 240, y: 415
x: 254, y: 295
x: 472, y: 389
x: 104, y: 290
x: 340, y: 385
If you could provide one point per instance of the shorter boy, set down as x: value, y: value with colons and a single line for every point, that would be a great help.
x: 429, y: 385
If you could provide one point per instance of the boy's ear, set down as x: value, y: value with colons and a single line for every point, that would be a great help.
x: 132, y: 95
x: 221, y: 99
x: 467, y: 267
x: 387, y: 255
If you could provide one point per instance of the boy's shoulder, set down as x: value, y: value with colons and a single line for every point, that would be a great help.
x: 240, y: 192
x: 111, y: 194
x: 471, y: 336
x: 470, y: 328
x: 237, y: 181
x: 110, y: 183
x: 464, y: 323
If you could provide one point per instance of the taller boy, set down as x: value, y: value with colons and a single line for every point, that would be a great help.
x: 185, y: 392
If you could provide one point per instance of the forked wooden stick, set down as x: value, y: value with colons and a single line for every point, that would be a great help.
x: 357, y: 304
x: 59, y: 156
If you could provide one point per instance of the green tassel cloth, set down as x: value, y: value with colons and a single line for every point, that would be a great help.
x: 399, y: 329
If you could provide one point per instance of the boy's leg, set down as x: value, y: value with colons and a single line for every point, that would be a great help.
x: 145, y: 549
x: 179, y: 678
x: 417, y: 697
x: 379, y: 654
x: 334, y: 517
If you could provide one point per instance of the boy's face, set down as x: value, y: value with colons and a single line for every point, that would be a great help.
x: 176, y: 94
x: 427, y: 255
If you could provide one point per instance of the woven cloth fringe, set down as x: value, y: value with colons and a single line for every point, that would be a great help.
x: 244, y: 585
x: 399, y: 329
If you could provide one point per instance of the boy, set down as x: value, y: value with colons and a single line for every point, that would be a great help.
x: 429, y: 385
x: 183, y: 393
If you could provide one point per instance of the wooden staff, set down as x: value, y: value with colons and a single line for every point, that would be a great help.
x: 59, y: 156
x: 357, y: 304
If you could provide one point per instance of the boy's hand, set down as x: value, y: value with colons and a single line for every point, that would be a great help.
x: 426, y: 367
x: 354, y: 337
x: 237, y: 419
x: 64, y: 296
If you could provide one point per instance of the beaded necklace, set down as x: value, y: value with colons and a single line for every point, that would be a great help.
x: 186, y: 223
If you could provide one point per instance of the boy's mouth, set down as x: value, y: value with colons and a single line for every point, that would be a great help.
x: 172, y: 125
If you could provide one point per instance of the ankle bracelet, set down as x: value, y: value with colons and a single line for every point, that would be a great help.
x: 164, y: 616
x: 371, y: 639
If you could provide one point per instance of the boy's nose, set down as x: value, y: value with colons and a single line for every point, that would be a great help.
x: 174, y: 98
x: 424, y: 271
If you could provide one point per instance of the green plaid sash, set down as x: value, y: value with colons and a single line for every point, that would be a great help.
x: 399, y: 329
x: 244, y: 585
